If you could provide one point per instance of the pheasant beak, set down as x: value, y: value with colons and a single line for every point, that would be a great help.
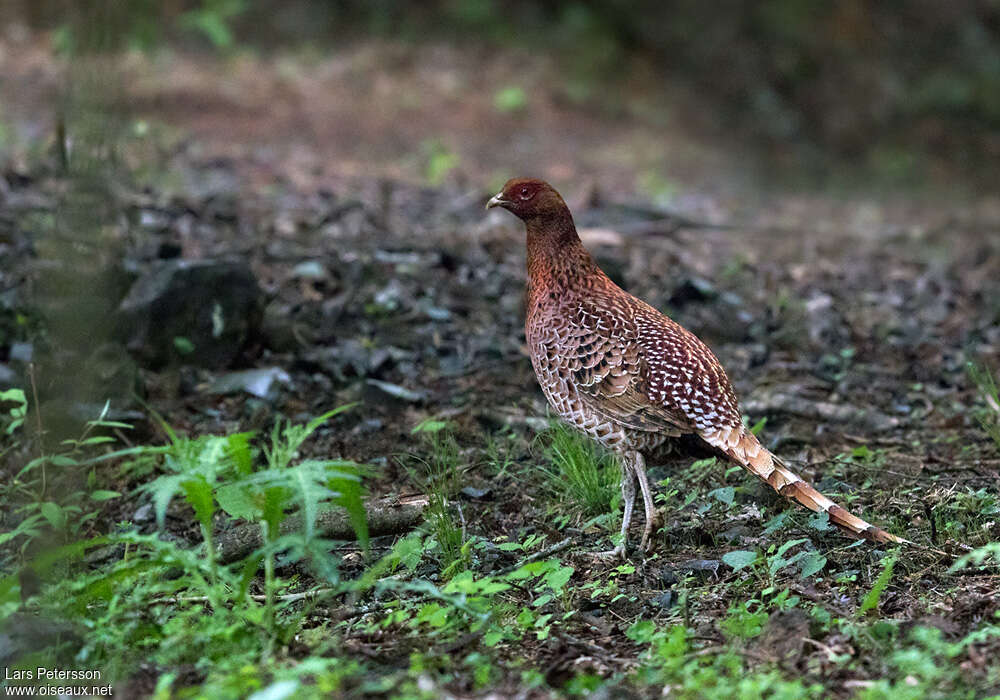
x: 496, y: 200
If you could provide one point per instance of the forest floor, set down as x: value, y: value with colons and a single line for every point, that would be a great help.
x: 353, y: 186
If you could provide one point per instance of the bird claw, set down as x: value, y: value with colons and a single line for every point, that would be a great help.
x: 646, y: 543
x: 617, y: 552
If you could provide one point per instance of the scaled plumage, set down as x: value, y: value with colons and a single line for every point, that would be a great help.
x: 626, y: 374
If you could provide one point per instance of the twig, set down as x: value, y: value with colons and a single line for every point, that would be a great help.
x: 547, y: 552
x: 594, y: 649
x: 388, y: 516
x: 830, y: 653
x: 461, y: 516
x: 38, y: 422
x: 930, y: 518
x: 288, y: 597
x: 729, y: 650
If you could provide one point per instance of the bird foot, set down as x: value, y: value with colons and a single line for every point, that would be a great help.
x: 616, y: 553
x: 646, y: 543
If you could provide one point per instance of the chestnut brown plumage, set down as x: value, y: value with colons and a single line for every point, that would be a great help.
x: 625, y: 374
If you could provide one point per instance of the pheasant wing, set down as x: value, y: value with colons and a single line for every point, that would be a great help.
x: 608, y: 367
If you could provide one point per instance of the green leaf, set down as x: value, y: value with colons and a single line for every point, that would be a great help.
x: 788, y: 545
x: 13, y: 395
x: 862, y: 452
x: 163, y: 490
x: 127, y: 452
x: 558, y: 578
x: 820, y: 521
x: 54, y: 513
x: 36, y: 462
x: 238, y: 446
x: 349, y: 492
x: 96, y: 440
x: 183, y: 345
x: 273, y: 511
x: 238, y: 500
x: 62, y: 461
x: 27, y: 527
x: 739, y: 559
x: 641, y: 632
x: 310, y: 492
x: 110, y: 424
x: 725, y: 494
x: 871, y: 600
x: 198, y: 493
x: 17, y: 413
x: 812, y: 563
x: 429, y: 425
x: 510, y: 99
x: 101, y: 495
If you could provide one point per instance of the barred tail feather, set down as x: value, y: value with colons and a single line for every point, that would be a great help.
x: 744, y: 449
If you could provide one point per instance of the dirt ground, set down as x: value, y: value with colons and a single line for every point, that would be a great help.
x: 844, y: 316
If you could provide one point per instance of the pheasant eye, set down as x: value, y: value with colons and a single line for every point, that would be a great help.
x: 525, y: 193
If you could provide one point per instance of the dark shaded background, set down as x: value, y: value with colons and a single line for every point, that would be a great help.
x: 882, y: 85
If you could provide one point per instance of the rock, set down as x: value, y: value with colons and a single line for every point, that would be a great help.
x: 704, y: 568
x: 784, y: 635
x: 310, y: 269
x: 200, y: 313
x: 475, y: 494
x: 26, y: 634
x: 665, y: 600
x: 351, y: 357
x: 398, y: 392
x: 262, y: 383
x: 8, y: 377
x: 693, y: 289
x: 22, y: 352
x: 278, y: 328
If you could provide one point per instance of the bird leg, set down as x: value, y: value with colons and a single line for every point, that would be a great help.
x: 639, y: 467
x: 628, y: 500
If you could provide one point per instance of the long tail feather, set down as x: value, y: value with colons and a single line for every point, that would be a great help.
x: 743, y: 448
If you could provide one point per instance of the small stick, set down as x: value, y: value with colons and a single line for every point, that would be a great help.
x: 387, y: 516
x: 38, y: 421
x: 547, y: 552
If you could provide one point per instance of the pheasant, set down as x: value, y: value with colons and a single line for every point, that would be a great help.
x: 627, y: 375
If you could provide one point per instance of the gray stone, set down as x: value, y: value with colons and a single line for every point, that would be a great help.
x: 262, y: 383
x: 195, y: 312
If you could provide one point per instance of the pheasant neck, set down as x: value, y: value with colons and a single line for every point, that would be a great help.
x: 556, y: 256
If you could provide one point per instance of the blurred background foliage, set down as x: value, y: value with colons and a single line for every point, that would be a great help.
x: 850, y: 78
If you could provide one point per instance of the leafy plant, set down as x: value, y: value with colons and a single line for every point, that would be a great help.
x: 871, y: 599
x: 144, y: 24
x: 739, y: 559
x: 18, y: 412
x: 438, y: 476
x: 809, y: 562
x: 58, y: 492
x: 439, y: 161
x: 212, y: 20
x: 220, y: 473
x: 511, y: 98
x: 977, y: 556
x: 579, y: 471
x: 745, y: 621
x: 989, y: 416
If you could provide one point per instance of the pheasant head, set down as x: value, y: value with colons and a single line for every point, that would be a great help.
x: 530, y: 199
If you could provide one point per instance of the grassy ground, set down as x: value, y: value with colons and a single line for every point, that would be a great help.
x: 846, y: 324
